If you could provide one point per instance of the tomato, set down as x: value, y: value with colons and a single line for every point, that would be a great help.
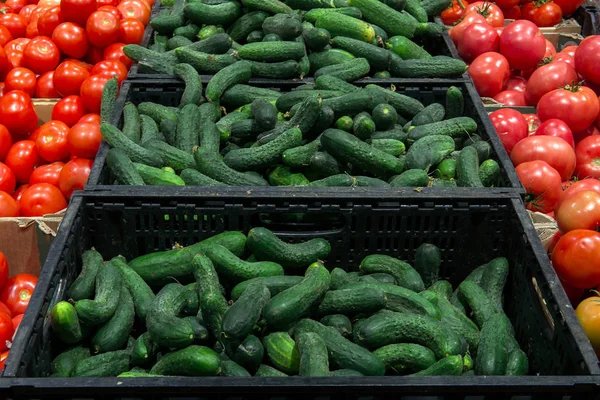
x: 41, y: 55
x: 131, y: 31
x: 8, y: 206
x: 42, y: 199
x: 522, y: 44
x: 492, y: 13
x: 576, y: 258
x: 48, y: 173
x: 4, y: 64
x: 16, y: 25
x: 5, y: 9
x: 16, y: 5
x: 3, y: 279
x: 589, y: 131
x: 550, y: 49
x: 74, y: 175
x: 110, y: 68
x: 579, y: 211
x: 90, y: 118
x: 555, y: 151
x: 17, y: 44
x: 512, y: 12
x: 21, y: 79
x: 510, y: 126
x: 102, y: 29
x: 512, y: 98
x: 49, y: 20
x: 91, y: 92
x: 588, y: 158
x: 6, y: 332
x: 583, y: 185
x: 576, y: 105
x: 478, y: 38
x: 113, y: 10
x: 528, y: 10
x: 547, y: 78
x: 68, y: 78
x: 570, y: 50
x: 588, y: 314
x: 5, y: 36
x: 15, y: 58
x: 32, y: 30
x: 44, y: 88
x: 568, y: 7
x: 8, y: 182
x: 5, y: 142
x: 115, y: 52
x: 457, y: 32
x: 574, y: 294
x: 27, y: 11
x: 548, y: 14
x: 71, y: 39
x: 490, y: 72
x: 69, y: 110
x: 51, y: 142
x: 556, y: 127
x: 587, y: 59
x: 516, y: 83
x: 135, y: 9
x: 17, y: 113
x: 105, y: 3
x: 84, y: 139
x: 22, y: 159
x: 17, y: 292
x: 17, y: 321
x: 453, y: 13
x: 533, y: 122
x: 78, y: 11
x: 542, y: 184
x: 19, y: 192
x: 3, y: 358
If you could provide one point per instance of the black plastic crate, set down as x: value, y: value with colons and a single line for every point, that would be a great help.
x: 469, y: 232
x: 168, y: 92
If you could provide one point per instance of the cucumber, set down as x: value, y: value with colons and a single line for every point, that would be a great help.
x: 517, y: 364
x: 239, y: 95
x: 157, y: 112
x: 283, y: 176
x: 446, y: 169
x: 131, y: 122
x: 494, y: 279
x: 265, y: 370
x: 213, y: 306
x: 414, y: 8
x: 189, y: 31
x: 339, y: 322
x: 316, y: 39
x: 428, y: 259
x: 352, y: 301
x: 192, y: 177
x: 447, y: 366
x: 240, y: 318
x: 435, y: 7
x: 434, y: 67
x: 106, y: 364
x: 382, y: 75
x: 193, y: 84
x: 315, y: 4
x: 471, y: 294
x: 323, y: 165
x: 432, y: 113
x: 205, y: 274
x: 344, y: 123
x: 212, y: 165
x: 455, y: 127
x: 455, y: 102
x: 164, y: 325
x: 300, y: 156
x: 391, y: 146
x: 457, y: 321
x: 83, y: 286
x: 264, y: 113
x: 272, y: 51
x: 313, y: 15
x: 339, y: 24
x: 157, y: 176
x: 174, y: 157
x: 442, y: 288
x: 64, y: 364
x: 484, y: 150
x: 489, y: 173
x: 343, y: 180
x: 64, y: 322
x: 286, y: 26
x: 109, y: 96
x: 114, y: 334
x: 364, y: 126
x: 178, y: 41
x: 283, y: 352
x: 249, y: 353
x: 314, y: 359
x: 392, y: 21
x: 347, y: 71
x: 378, y: 58
x: 231, y: 368
x: 405, y: 357
x: 238, y: 270
x: 467, y: 168
x: 208, y: 31
x: 144, y: 350
x: 275, y: 284
x: 192, y: 303
x: 103, y: 306
x: 270, y: 6
x: 405, y: 275
x: 385, y: 117
x: 278, y: 70
x: 141, y: 293
x: 288, y: 100
x: 115, y: 138
x: 255, y: 37
x: 240, y: 72
x: 404, y: 105
x: 191, y: 361
x: 150, y: 130
x: 206, y: 63
x: 168, y: 128
x: 397, y: 5
x: 428, y: 151
x: 187, y: 128
x: 245, y: 24
x: 328, y: 82
x: 410, y: 178
x: 492, y: 353
x: 222, y: 14
x: 326, y: 58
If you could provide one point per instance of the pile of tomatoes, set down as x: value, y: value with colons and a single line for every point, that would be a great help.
x: 15, y: 293
x: 40, y: 167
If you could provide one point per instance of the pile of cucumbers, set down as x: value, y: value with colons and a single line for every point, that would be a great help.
x: 299, y: 38
x: 236, y: 305
x: 330, y: 133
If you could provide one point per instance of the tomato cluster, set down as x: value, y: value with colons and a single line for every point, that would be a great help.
x: 40, y: 167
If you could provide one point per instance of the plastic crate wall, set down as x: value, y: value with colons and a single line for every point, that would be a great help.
x: 469, y: 232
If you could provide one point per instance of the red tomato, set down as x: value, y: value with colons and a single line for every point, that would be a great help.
x: 16, y: 25
x: 41, y: 199
x: 84, y: 139
x: 71, y: 39
x: 91, y: 92
x: 542, y: 183
x: 17, y: 113
x: 131, y: 31
x: 583, y: 185
x: 3, y: 308
x: 49, y: 20
x: 564, y: 57
x: 588, y: 158
x: 8, y: 206
x: 492, y: 13
x: 94, y: 55
x: 522, y: 44
x: 5, y: 36
x: 457, y: 32
x: 587, y: 59
x: 550, y: 49
x: 510, y: 126
x: 490, y: 72
x: 27, y: 11
x: 3, y: 279
x: 6, y: 332
x: 555, y: 151
x: 22, y: 159
x: 102, y: 29
x: 4, y: 9
x: 576, y: 258
x: 135, y: 9
x: 48, y: 173
x: 8, y: 182
x: 17, y: 44
x: 69, y: 110
x: 51, y: 141
x: 17, y: 292
x: 17, y: 321
x: 21, y: 79
x: 3, y: 358
x: 115, y: 52
x: 5, y: 142
x: 513, y: 12
x: 512, y: 98
x: 516, y: 83
x: 90, y: 118
x: 44, y: 88
x: 78, y: 11
x: 533, y: 122
x: 547, y: 78
x: 576, y: 105
x: 556, y: 127
x: 32, y: 30
x: 478, y: 38
x: 75, y: 175
x: 568, y: 7
x: 113, y: 10
x: 579, y: 211
x: 453, y: 13
x: 548, y: 14
x: 19, y: 192
x: 110, y: 68
x: 15, y: 58
x: 68, y: 78
x: 570, y: 50
x: 105, y: 3
x: 5, y: 64
x: 41, y: 55
x: 528, y: 10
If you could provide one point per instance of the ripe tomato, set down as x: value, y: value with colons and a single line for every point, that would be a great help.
x: 492, y: 13
x: 547, y: 78
x: 548, y: 14
x: 583, y: 185
x: 4, y: 64
x: 115, y: 52
x: 588, y: 314
x: 5, y: 142
x: 44, y: 87
x: 69, y: 110
x: 568, y: 7
x: 49, y: 20
x: 21, y: 79
x: 8, y: 182
x: 48, y: 173
x: 17, y: 292
x: 570, y: 50
x: 102, y: 29
x: 131, y: 31
x: 91, y: 92
x: 587, y: 59
x: 84, y: 139
x: 564, y: 57
x: 17, y: 321
x: 105, y: 3
x: 5, y: 36
x: 522, y: 44
x: 3, y: 358
x: 22, y: 159
x: 453, y: 13
x: 51, y: 141
x: 32, y: 30
x: 510, y: 126
x: 17, y: 44
x: 110, y: 68
x: 478, y: 38
x: 78, y: 11
x: 556, y: 127
x: 8, y: 206
x: 576, y: 105
x: 74, y: 176
x: 576, y: 258
x: 550, y: 49
x: 555, y: 151
x: 490, y: 72
x: 528, y: 10
x: 6, y: 332
x: 512, y: 98
x: 533, y: 122
x: 516, y: 83
x: 68, y: 78
x: 71, y: 39
x: 542, y: 184
x: 16, y: 25
x: 19, y: 192
x: 589, y: 131
x: 41, y: 55
x: 588, y: 157
x: 135, y: 9
x: 41, y: 199
x: 457, y: 32
x: 90, y: 118
x: 513, y: 12
x: 17, y: 113
x: 3, y: 279
x: 27, y: 11
x: 579, y: 211
x: 113, y: 10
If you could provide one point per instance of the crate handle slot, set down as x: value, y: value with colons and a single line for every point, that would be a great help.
x: 301, y: 224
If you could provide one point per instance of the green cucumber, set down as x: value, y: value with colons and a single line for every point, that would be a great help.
x: 385, y: 117
x: 447, y: 366
x: 391, y: 146
x: 347, y: 71
x: 428, y: 151
x: 112, y: 363
x: 264, y: 113
x: 392, y: 21
x: 178, y: 41
x: 231, y: 368
x: 190, y: 31
x: 344, y: 123
x: 455, y: 103
x: 316, y: 39
x: 141, y: 293
x: 339, y: 322
x: 212, y: 165
x: 83, y: 286
x: 455, y: 127
x: 192, y: 177
x: 339, y: 24
x: 472, y: 295
x: 286, y: 26
x: 457, y: 321
x: 255, y: 36
x: 270, y: 6
x: 240, y: 318
x: 272, y: 51
x: 109, y: 96
x: 397, y: 5
x: 328, y: 82
x: 405, y: 357
x: 446, y: 169
x: 222, y: 14
x: 428, y: 259
x: 484, y: 150
x: 352, y: 301
x: 405, y: 106
x: 131, y: 122
x: 323, y: 165
x: 467, y: 168
x: 343, y: 180
x: 281, y: 349
x: 208, y: 31
x: 249, y: 353
x: 64, y: 364
x: 150, y: 130
x: 158, y: 176
x: 492, y: 353
x: 300, y: 156
x: 517, y: 364
x: 405, y: 275
x: 326, y: 58
x: 237, y: 73
x: 435, y: 7
x: 410, y: 178
x: 164, y: 325
x: 364, y: 126
x: 115, y: 138
x: 434, y: 67
x: 314, y: 14
x: 245, y: 24
x: 239, y: 270
x: 288, y: 100
x: 266, y: 370
x: 193, y: 84
x: 144, y: 351
x: 114, y: 333
x: 378, y: 58
x: 489, y: 173
x: 494, y: 279
x: 174, y: 157
x: 414, y: 8
x: 275, y: 284
x: 65, y: 323
x: 191, y: 361
x: 278, y: 70
x: 187, y: 128
x: 283, y: 176
x: 314, y: 359
x: 432, y: 113
x: 205, y: 63
x: 108, y: 287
